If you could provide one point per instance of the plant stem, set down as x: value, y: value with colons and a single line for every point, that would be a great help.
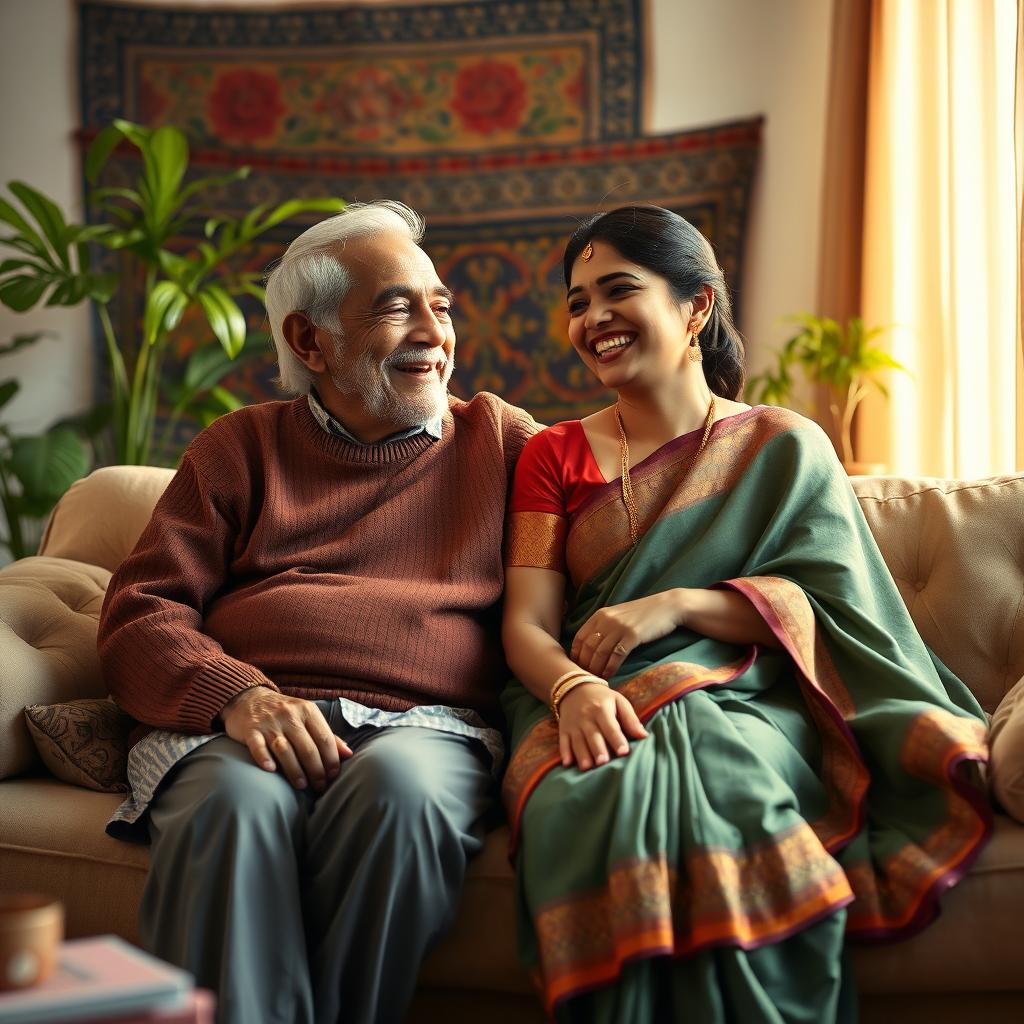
x: 15, y: 541
x: 136, y: 407
x: 119, y: 381
x: 854, y: 394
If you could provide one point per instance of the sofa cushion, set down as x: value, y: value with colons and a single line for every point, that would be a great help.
x: 956, y: 551
x: 49, y: 608
x: 52, y: 841
x: 1006, y: 766
x: 102, y: 515
x: 83, y: 742
x: 974, y: 946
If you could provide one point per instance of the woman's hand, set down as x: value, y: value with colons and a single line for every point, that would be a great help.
x: 610, y: 634
x: 594, y: 719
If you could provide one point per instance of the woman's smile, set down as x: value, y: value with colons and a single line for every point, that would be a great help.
x: 608, y: 347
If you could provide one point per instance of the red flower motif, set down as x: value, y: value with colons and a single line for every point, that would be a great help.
x: 489, y: 96
x: 152, y: 102
x: 576, y: 89
x: 369, y: 99
x: 245, y: 105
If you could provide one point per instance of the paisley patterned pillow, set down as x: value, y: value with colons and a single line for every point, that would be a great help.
x: 84, y: 742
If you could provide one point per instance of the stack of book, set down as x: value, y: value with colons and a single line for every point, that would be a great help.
x: 105, y: 980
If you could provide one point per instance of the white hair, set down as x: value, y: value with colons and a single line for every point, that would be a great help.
x: 312, y: 279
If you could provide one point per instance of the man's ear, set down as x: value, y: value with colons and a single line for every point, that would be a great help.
x: 301, y: 335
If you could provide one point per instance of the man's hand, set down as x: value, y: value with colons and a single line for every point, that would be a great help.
x: 290, y: 729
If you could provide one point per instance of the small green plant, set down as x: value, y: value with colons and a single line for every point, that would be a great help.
x: 844, y: 361
x: 53, y: 261
x: 34, y: 472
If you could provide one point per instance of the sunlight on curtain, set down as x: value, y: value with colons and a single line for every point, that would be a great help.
x: 941, y: 236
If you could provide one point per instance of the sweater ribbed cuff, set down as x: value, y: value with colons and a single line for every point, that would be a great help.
x: 214, y: 685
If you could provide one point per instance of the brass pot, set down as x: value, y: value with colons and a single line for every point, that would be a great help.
x: 31, y: 929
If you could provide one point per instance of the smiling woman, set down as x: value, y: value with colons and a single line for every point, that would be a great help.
x: 731, y: 748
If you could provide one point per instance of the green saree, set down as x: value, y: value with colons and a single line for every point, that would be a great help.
x: 785, y: 799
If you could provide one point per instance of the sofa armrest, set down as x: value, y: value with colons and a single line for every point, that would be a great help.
x: 101, y: 517
x: 49, y: 610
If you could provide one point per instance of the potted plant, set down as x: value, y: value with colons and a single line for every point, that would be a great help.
x: 35, y: 470
x: 842, y: 360
x: 52, y: 263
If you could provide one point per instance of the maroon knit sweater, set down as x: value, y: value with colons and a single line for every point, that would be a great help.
x: 281, y: 555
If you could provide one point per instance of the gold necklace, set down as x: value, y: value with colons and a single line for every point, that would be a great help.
x: 627, y: 484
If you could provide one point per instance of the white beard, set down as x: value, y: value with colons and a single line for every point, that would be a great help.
x: 370, y: 381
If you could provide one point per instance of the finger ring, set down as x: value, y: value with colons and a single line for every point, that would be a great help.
x: 279, y: 743
x: 596, y: 637
x: 619, y: 649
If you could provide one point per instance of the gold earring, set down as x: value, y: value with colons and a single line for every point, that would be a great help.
x: 696, y: 355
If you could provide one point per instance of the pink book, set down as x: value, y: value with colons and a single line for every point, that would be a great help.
x: 101, y: 978
x: 198, y: 1008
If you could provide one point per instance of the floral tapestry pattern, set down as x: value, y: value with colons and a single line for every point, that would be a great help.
x: 504, y: 122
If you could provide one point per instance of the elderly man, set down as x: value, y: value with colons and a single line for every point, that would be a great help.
x: 309, y: 623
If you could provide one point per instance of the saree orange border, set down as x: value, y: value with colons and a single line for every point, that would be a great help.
x: 537, y: 752
x: 646, y: 910
x: 891, y: 896
x: 787, y: 612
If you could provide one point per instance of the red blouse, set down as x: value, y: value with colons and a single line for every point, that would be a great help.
x: 556, y: 472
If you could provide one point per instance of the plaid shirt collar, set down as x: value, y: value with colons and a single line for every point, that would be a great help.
x: 334, y: 427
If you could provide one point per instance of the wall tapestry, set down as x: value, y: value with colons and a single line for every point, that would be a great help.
x: 503, y: 123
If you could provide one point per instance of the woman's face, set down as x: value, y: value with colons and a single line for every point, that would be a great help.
x: 624, y: 322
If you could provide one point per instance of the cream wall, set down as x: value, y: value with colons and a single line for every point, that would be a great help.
x: 713, y: 60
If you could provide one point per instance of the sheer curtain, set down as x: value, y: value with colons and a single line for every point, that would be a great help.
x: 942, y: 235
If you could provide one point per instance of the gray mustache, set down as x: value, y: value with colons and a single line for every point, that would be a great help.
x: 406, y: 357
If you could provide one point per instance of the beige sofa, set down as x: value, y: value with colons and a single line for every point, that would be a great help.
x: 956, y: 549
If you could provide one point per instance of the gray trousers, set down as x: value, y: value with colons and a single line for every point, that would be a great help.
x: 297, y: 908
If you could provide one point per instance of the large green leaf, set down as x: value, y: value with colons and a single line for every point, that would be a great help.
x: 134, y: 133
x: 225, y: 318
x: 8, y: 389
x: 164, y: 296
x: 21, y: 293
x: 31, y: 241
x: 293, y: 207
x: 47, y: 214
x: 202, y: 184
x: 103, y: 286
x: 167, y: 158
x: 99, y: 152
x: 47, y: 465
x: 69, y: 292
x: 209, y: 365
x: 8, y: 265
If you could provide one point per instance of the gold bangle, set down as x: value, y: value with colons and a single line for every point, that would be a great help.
x: 568, y: 675
x: 569, y: 687
x: 564, y: 678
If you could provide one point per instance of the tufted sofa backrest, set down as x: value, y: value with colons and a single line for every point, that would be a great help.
x: 956, y: 551
x: 955, y: 547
